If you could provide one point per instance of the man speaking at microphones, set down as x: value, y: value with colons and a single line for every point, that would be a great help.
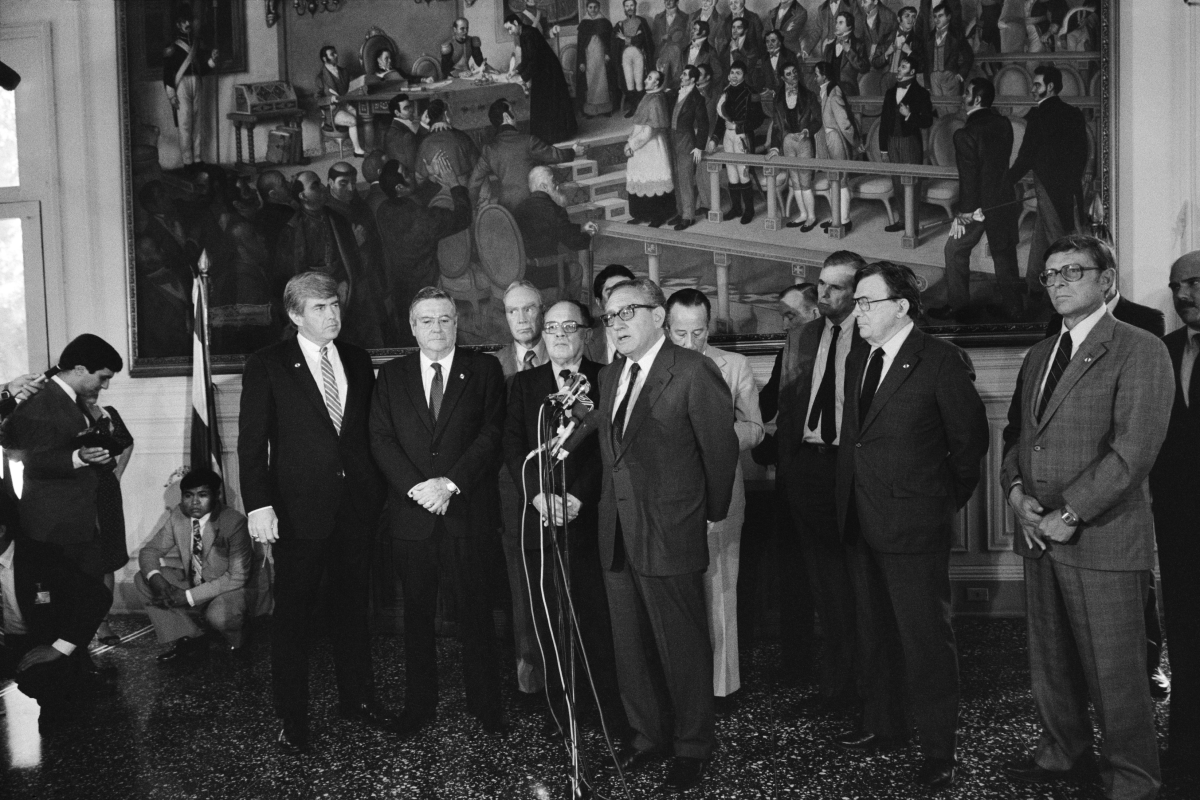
x: 566, y: 331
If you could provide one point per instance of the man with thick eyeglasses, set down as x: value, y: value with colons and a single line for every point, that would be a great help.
x: 1175, y: 485
x: 669, y: 453
x: 1087, y: 418
x: 913, y: 434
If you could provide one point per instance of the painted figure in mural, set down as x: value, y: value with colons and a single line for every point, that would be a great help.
x: 502, y: 173
x: 795, y: 125
x: 791, y: 20
x: 907, y: 42
x: 549, y: 232
x: 710, y: 15
x: 734, y: 132
x: 185, y: 62
x: 670, y: 29
x: 648, y: 171
x: 636, y: 45
x: 443, y: 137
x: 551, y: 109
x: 386, y: 69
x: 461, y: 53
x: 333, y: 82
x: 841, y: 142
x: 596, y: 83
x: 689, y: 133
x: 777, y: 59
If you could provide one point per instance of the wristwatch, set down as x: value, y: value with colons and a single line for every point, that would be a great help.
x: 1069, y: 517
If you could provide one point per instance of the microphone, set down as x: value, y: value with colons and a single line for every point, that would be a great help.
x: 574, y: 391
x: 582, y: 426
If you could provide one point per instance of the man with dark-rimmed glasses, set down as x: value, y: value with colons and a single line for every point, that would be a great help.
x: 669, y: 453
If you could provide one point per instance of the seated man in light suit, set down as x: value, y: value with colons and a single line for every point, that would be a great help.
x: 196, y: 565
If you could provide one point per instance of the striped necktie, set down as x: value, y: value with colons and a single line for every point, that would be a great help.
x: 332, y: 402
x: 197, y: 554
x: 1062, y: 360
x: 529, y: 358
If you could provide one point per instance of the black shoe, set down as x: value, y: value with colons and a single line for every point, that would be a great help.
x: 293, y: 738
x: 702, y: 213
x: 630, y: 113
x: 675, y: 220
x: 684, y: 225
x: 847, y: 226
x: 725, y: 705
x: 794, y: 223
x: 808, y: 227
x: 867, y: 742
x: 685, y: 773
x: 1160, y: 685
x: 185, y: 646
x: 825, y: 225
x: 495, y: 723
x: 409, y: 722
x: 936, y: 774
x: 1026, y: 770
x: 656, y: 223
x: 894, y: 227
x: 635, y: 221
x: 369, y: 712
x: 634, y: 760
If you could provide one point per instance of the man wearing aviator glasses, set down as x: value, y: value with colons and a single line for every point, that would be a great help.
x: 1087, y: 418
x: 669, y: 453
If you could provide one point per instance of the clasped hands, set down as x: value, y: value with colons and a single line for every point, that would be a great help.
x: 552, y: 509
x: 166, y: 595
x: 433, y: 495
x: 1036, y: 524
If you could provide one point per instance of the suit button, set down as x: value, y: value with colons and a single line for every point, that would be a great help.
x: 341, y: 473
x: 433, y: 453
x: 1037, y: 447
x: 858, y: 444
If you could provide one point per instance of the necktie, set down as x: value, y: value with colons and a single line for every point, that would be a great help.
x: 332, y: 402
x: 825, y: 406
x: 197, y: 554
x: 435, y: 392
x: 870, y: 384
x: 82, y: 405
x: 565, y: 377
x: 1194, y: 383
x: 1062, y: 359
x: 529, y: 357
x: 623, y: 408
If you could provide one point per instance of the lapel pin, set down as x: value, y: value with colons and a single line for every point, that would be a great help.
x: 296, y: 365
x: 1087, y: 360
x: 462, y: 377
x: 904, y: 365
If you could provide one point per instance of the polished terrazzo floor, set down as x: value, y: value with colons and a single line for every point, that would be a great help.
x: 205, y: 730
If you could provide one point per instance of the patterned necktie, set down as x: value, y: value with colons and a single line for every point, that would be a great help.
x: 197, y: 554
x: 332, y: 402
x: 529, y: 358
x: 825, y: 406
x: 1194, y: 383
x: 1062, y: 359
x: 870, y: 384
x: 435, y: 392
x: 623, y: 408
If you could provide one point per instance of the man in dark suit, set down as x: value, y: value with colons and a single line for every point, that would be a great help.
x: 913, y: 434
x: 907, y: 110
x: 906, y: 41
x: 847, y: 54
x: 689, y: 134
x: 403, y: 136
x: 501, y: 174
x: 950, y: 56
x: 1055, y: 149
x: 436, y: 423
x: 790, y: 18
x: 311, y: 490
x: 1175, y: 486
x: 669, y: 453
x: 741, y: 47
x: 1088, y: 415
x: 551, y: 238
x: 987, y: 205
x: 810, y: 410
x: 568, y: 329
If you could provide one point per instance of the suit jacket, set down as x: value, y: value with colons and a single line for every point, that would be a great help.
x: 507, y: 356
x: 290, y: 455
x: 958, y: 56
x: 689, y: 123
x: 675, y: 467
x: 795, y: 383
x: 507, y: 161
x: 1094, y: 445
x: 1174, y: 480
x: 748, y: 55
x: 772, y: 76
x: 916, y: 458
x: 58, y: 502
x: 892, y: 124
x: 1139, y: 316
x: 71, y: 605
x: 707, y: 55
x: 400, y: 143
x: 545, y: 225
x: 793, y: 27
x: 410, y: 232
x: 716, y: 28
x: 463, y: 446
x: 982, y: 149
x: 825, y: 23
x: 671, y: 39
x: 526, y: 394
x: 835, y: 114
x: 225, y: 552
x: 458, y: 146
x: 915, y: 42
x: 851, y: 64
x: 876, y: 37
x: 735, y: 370
x: 1055, y: 147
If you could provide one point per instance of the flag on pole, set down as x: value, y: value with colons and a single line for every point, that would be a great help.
x: 206, y: 443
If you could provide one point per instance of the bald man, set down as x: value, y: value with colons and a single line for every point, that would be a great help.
x: 461, y: 53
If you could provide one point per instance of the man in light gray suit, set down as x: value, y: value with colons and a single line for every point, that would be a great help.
x: 1088, y: 416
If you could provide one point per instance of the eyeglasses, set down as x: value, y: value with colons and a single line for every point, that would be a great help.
x: 568, y: 327
x: 625, y: 313
x: 864, y: 303
x: 1071, y: 273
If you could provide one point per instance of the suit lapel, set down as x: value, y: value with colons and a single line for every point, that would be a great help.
x: 656, y: 381
x: 460, y: 373
x: 208, y: 535
x: 1091, y: 351
x: 297, y: 367
x: 414, y: 384
x: 1039, y: 360
x: 903, y: 365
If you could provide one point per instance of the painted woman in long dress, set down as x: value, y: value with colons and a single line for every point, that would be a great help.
x: 596, y: 84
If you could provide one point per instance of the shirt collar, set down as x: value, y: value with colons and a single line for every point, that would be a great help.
x: 1080, y: 332
x: 647, y: 360
x: 893, y: 345
x: 309, y: 348
x: 1112, y: 304
x: 203, y: 520
x: 6, y: 558
x: 66, y: 387
x: 446, y: 361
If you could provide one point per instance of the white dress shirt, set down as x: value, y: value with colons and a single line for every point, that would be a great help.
x: 312, y: 357
x: 447, y: 362
x: 1077, y: 334
x: 890, y: 348
x: 14, y: 622
x: 644, y: 365
x: 845, y: 339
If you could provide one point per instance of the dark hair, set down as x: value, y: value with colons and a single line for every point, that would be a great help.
x: 372, y: 165
x: 739, y: 64
x: 342, y: 170
x: 692, y: 71
x: 183, y: 11
x: 201, y: 476
x: 149, y: 195
x: 324, y: 48
x: 705, y: 69
x: 271, y: 180
x: 436, y: 110
x: 89, y: 351
x: 736, y: 21
x: 844, y: 258
x: 905, y: 10
x: 849, y: 18
x: 937, y: 8
x: 394, y: 103
x: 1051, y: 74
x: 900, y: 280
x: 497, y: 110
x: 1097, y: 250
x: 392, y: 178
x: 778, y: 34
x: 611, y: 271
x: 984, y: 90
x: 690, y: 298
x: 826, y: 69
x: 703, y: 26
x: 513, y: 18
x: 911, y: 60
x: 429, y: 293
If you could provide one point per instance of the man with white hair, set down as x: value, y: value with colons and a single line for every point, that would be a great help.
x: 549, y: 233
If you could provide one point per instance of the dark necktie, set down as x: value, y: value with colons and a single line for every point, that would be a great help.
x: 565, y: 377
x: 197, y: 554
x: 825, y: 406
x: 82, y: 405
x: 435, y: 392
x: 870, y: 384
x: 623, y: 408
x: 529, y: 357
x: 1194, y: 383
x: 1062, y: 359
